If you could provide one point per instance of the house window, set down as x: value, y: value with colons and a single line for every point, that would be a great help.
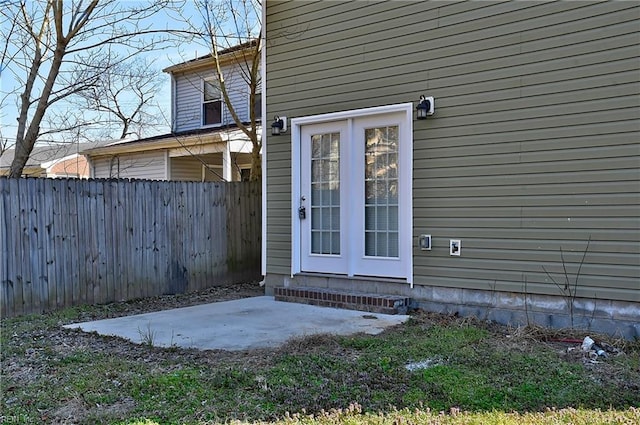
x: 352, y: 186
x: 245, y: 174
x: 211, y: 103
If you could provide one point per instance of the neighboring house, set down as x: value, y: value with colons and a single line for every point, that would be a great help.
x: 205, y: 144
x: 61, y: 160
x: 533, y: 150
x: 74, y: 165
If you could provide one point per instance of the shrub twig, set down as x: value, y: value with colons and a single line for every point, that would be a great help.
x: 569, y: 291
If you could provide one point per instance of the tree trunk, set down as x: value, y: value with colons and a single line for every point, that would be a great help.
x: 256, y: 164
x: 24, y: 145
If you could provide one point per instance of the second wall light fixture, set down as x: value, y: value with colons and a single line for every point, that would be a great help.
x: 278, y: 126
x: 426, y: 107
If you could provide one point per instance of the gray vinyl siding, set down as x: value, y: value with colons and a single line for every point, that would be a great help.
x: 140, y: 165
x: 188, y: 96
x: 185, y: 169
x: 534, y: 147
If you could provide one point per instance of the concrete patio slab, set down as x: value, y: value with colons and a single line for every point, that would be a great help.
x: 244, y: 324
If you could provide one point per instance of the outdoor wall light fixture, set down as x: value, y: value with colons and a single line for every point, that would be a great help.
x: 278, y: 126
x: 425, y: 107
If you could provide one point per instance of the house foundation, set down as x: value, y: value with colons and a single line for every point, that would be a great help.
x: 617, y: 318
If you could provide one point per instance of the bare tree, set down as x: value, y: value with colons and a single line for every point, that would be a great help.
x: 125, y: 93
x: 55, y: 49
x: 233, y: 27
x: 4, y: 145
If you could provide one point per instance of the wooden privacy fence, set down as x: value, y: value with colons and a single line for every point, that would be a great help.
x: 74, y: 242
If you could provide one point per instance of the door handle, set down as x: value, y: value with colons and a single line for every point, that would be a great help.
x: 302, y: 211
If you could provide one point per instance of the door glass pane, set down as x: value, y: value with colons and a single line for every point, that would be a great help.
x: 369, y: 218
x: 325, y: 194
x: 335, y: 218
x: 381, y: 218
x: 335, y: 241
x: 316, y: 240
x: 315, y: 218
x: 394, y: 243
x: 369, y: 244
x: 381, y: 192
x: 393, y: 218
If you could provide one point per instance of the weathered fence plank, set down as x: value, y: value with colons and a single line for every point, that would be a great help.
x: 6, y: 291
x: 63, y: 233
x: 23, y: 246
x: 110, y: 249
x: 44, y: 227
x: 73, y: 246
x: 58, y: 268
x: 83, y: 244
x: 73, y: 242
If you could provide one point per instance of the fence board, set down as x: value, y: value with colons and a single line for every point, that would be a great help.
x: 73, y: 245
x: 25, y: 246
x: 58, y: 267
x: 125, y: 198
x: 135, y: 217
x: 189, y: 248
x: 62, y: 254
x: 44, y: 227
x: 15, y: 275
x: 97, y: 222
x: 40, y: 227
x: 145, y: 213
x: 99, y: 240
x: 118, y: 225
x: 111, y: 218
x: 6, y: 291
x: 90, y: 236
x: 74, y: 242
x: 106, y: 239
x: 82, y: 244
x: 221, y: 219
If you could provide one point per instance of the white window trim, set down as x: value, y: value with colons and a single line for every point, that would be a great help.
x: 406, y: 247
x: 202, y: 102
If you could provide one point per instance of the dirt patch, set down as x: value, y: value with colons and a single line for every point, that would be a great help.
x: 166, y: 302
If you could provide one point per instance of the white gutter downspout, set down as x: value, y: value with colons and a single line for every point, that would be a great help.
x: 174, y: 118
x: 167, y: 165
x: 263, y: 78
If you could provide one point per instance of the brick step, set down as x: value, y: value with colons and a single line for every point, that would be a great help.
x: 373, y: 303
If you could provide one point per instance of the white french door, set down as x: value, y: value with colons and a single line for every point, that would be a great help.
x: 320, y: 205
x: 353, y: 200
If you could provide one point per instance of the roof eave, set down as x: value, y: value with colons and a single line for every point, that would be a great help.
x: 208, y: 61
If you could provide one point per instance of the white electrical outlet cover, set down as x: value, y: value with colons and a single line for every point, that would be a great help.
x: 425, y: 242
x: 454, y: 247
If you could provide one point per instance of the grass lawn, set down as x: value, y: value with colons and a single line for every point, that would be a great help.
x: 433, y: 369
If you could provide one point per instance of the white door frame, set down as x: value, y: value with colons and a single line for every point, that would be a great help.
x: 406, y: 237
